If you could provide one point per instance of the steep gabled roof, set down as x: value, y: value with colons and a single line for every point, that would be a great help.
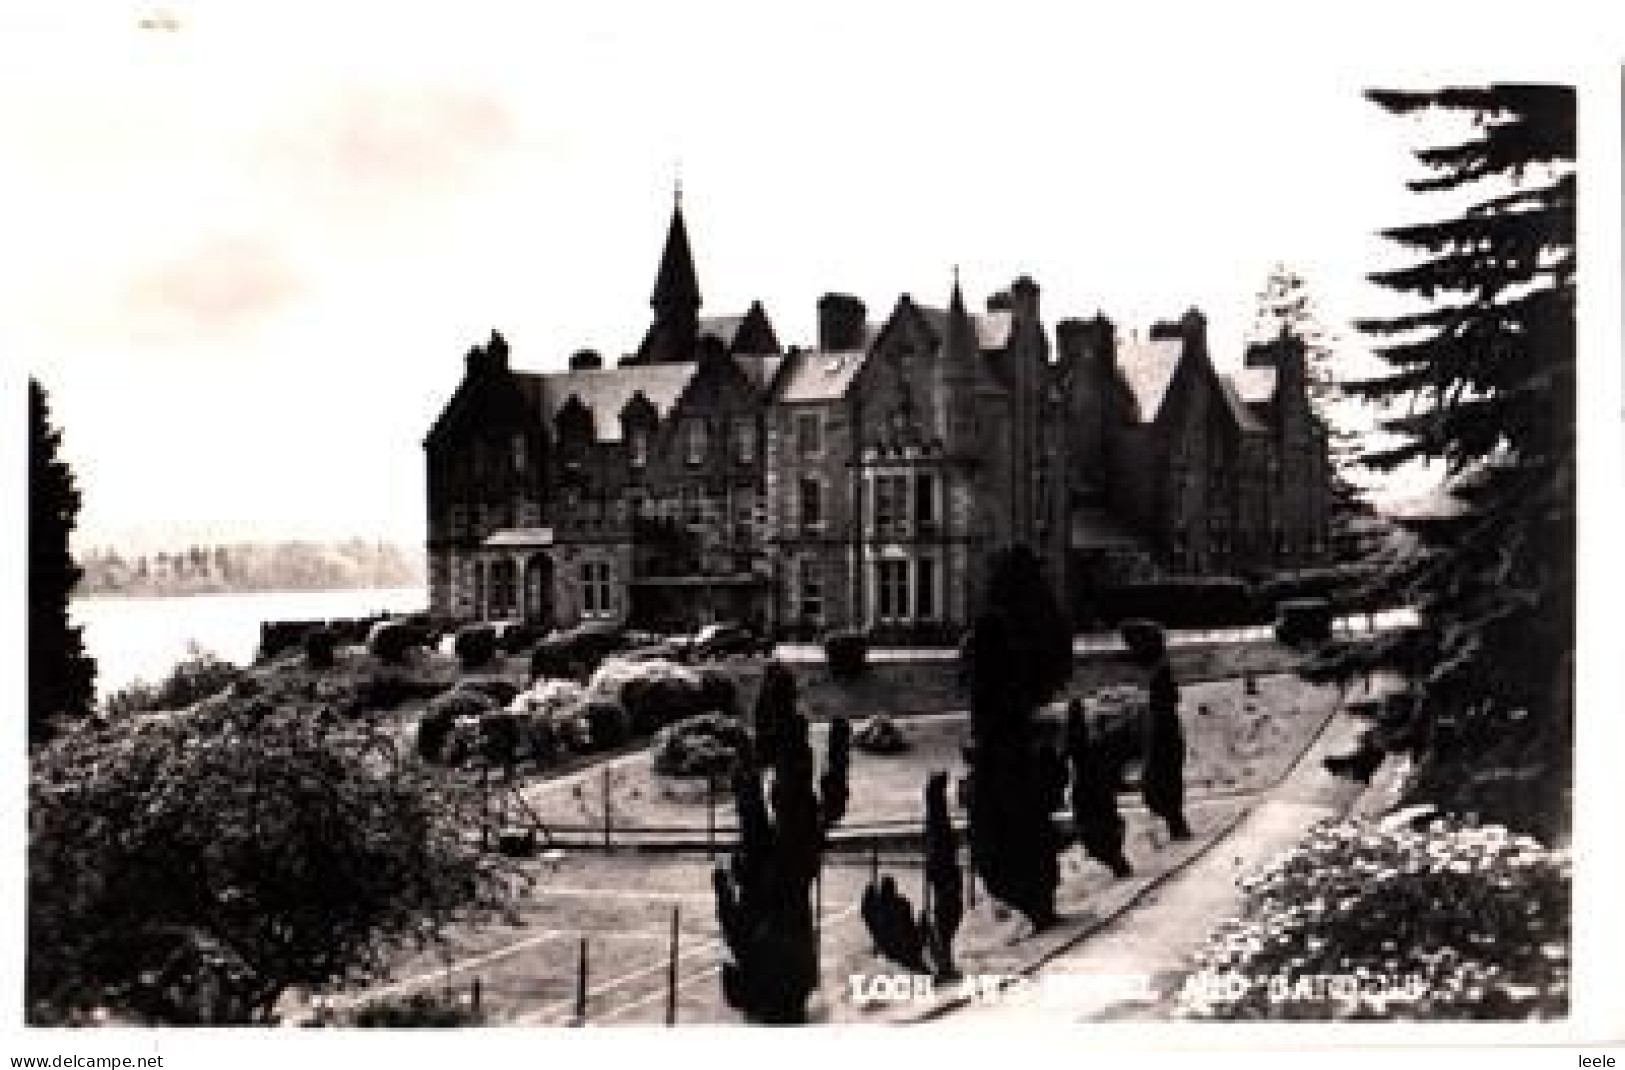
x: 605, y: 392
x: 818, y: 375
x: 722, y: 328
x: 1255, y: 384
x: 749, y: 333
x: 761, y: 369
x: 1147, y: 368
x: 1244, y: 416
x: 992, y: 328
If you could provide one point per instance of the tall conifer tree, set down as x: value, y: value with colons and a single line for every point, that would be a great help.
x: 61, y: 677
x: 1487, y: 369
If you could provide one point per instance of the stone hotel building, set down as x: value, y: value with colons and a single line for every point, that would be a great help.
x: 861, y: 481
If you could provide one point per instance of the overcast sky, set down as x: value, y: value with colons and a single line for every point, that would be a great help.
x: 247, y: 245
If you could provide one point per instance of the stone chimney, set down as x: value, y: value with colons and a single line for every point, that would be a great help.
x: 841, y: 322
x: 1194, y: 327
x: 1024, y: 298
x: 493, y: 358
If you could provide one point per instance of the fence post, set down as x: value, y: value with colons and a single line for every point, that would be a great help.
x: 474, y: 994
x: 818, y: 923
x: 581, y: 985
x: 485, y: 808
x: 671, y: 968
x: 710, y: 818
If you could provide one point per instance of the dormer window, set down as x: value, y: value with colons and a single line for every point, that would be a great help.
x: 638, y: 447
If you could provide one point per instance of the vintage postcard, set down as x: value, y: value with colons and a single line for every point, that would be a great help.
x: 968, y: 519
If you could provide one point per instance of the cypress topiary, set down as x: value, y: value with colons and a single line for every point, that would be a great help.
x: 775, y: 704
x: 1162, y: 779
x: 1095, y: 818
x: 1017, y: 656
x: 942, y: 876
x: 833, y: 789
x: 764, y: 904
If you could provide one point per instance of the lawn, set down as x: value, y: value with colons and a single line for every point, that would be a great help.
x: 622, y: 905
x: 1236, y: 744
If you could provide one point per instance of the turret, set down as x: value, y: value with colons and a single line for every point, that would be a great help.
x: 676, y: 300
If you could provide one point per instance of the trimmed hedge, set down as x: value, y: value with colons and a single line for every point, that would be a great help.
x: 390, y: 641
x: 577, y: 653
x: 321, y: 646
x: 1178, y: 603
x: 1304, y: 620
x: 1211, y: 602
x: 846, y: 654
x: 475, y: 646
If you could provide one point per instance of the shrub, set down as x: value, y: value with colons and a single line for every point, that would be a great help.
x: 1188, y: 602
x: 499, y: 737
x: 880, y: 735
x: 416, y: 1011
x: 1145, y: 639
x: 390, y: 641
x: 576, y: 653
x: 709, y: 745
x: 1458, y: 921
x: 499, y: 689
x: 434, y: 729
x: 307, y: 854
x: 514, y: 638
x: 439, y: 723
x: 653, y: 693
x: 551, y: 718
x: 321, y: 644
x: 1304, y: 620
x: 199, y: 675
x: 718, y: 693
x: 389, y: 689
x: 279, y: 636
x: 608, y: 724
x: 846, y: 654
x: 475, y: 646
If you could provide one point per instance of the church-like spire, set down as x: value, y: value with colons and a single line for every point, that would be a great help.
x: 677, y: 288
x: 959, y: 344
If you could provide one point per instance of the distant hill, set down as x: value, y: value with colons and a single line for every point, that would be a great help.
x: 271, y: 566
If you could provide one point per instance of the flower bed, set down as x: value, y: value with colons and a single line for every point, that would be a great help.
x: 1363, y: 921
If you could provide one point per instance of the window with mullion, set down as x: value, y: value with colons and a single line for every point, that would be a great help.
x: 891, y: 505
x: 925, y: 588
x: 891, y: 590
